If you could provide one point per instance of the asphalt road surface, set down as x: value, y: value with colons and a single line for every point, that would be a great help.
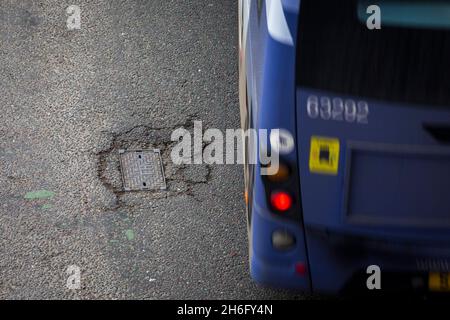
x: 69, y: 101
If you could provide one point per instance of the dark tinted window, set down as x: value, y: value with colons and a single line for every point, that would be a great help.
x: 339, y: 53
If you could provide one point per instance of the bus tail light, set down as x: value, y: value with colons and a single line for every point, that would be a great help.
x: 281, y: 201
x: 283, y: 240
x: 279, y: 174
x: 300, y: 268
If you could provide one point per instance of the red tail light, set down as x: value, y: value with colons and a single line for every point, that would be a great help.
x: 300, y: 268
x: 281, y: 200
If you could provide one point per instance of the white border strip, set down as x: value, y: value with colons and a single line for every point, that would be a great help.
x: 276, y: 22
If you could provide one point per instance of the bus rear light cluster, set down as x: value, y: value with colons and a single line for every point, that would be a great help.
x: 283, y: 240
x: 281, y: 201
x: 300, y: 268
x: 279, y: 173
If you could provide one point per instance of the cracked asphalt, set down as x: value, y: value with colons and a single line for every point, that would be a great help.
x: 135, y: 71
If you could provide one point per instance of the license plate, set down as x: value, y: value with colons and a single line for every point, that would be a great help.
x: 439, y: 281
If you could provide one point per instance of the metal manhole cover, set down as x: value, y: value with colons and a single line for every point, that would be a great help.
x: 142, y: 170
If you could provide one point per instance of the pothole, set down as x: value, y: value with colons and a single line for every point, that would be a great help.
x: 179, y: 179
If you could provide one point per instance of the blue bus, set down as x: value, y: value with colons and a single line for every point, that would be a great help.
x: 362, y: 188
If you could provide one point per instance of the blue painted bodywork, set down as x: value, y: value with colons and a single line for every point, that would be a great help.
x: 338, y: 233
x: 271, y: 89
x: 393, y: 242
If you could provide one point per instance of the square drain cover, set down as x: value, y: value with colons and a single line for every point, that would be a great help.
x: 142, y: 170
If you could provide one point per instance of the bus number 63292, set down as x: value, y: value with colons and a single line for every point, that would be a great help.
x: 337, y: 109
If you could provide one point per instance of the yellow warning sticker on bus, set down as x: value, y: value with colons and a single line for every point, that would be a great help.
x: 439, y: 281
x: 324, y: 155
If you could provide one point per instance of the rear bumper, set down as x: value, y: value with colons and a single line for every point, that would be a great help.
x: 335, y: 266
x: 341, y: 263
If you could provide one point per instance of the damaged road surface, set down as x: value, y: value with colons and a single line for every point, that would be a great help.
x: 71, y: 100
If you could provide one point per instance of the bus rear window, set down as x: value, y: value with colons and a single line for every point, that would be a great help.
x: 404, y: 61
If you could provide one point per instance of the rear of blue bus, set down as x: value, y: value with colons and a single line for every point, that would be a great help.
x: 373, y: 137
